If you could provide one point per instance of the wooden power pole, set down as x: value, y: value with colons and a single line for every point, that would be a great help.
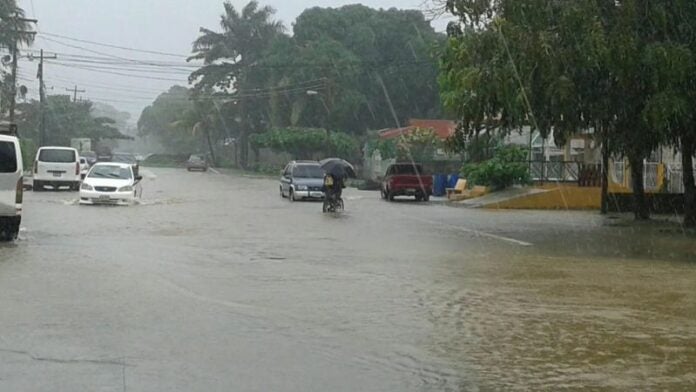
x: 75, y: 91
x: 42, y: 99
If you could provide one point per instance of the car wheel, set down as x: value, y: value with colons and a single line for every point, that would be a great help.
x: 38, y: 186
x: 383, y: 193
x: 9, y: 229
x: 426, y: 197
x: 390, y: 196
x: 76, y: 187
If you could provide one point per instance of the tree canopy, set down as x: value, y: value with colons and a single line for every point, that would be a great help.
x: 347, y: 69
x: 621, y: 69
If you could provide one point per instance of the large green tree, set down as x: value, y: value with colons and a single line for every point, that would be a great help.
x: 670, y: 59
x: 566, y: 66
x: 164, y: 121
x: 13, y: 33
x: 230, y: 58
x: 65, y: 120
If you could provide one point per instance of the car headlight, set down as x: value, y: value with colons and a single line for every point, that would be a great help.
x: 301, y: 187
x: 126, y: 189
x: 86, y: 187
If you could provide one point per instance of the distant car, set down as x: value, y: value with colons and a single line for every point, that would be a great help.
x: 407, y: 179
x: 196, y: 162
x: 110, y: 183
x: 302, y: 180
x: 11, y: 187
x: 84, y: 167
x: 90, y: 156
x: 57, y: 167
x: 124, y: 157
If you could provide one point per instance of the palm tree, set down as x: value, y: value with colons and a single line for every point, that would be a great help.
x: 13, y: 33
x: 229, y: 57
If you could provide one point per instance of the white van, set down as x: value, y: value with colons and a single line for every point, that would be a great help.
x: 57, y: 167
x: 11, y: 184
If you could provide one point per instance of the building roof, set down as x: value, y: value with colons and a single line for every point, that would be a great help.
x: 443, y: 128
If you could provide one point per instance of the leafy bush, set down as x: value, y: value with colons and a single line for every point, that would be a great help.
x: 419, y: 144
x: 507, y: 167
x: 307, y: 143
x: 165, y: 160
x: 386, y: 148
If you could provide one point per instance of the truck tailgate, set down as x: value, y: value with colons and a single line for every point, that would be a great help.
x: 412, y: 181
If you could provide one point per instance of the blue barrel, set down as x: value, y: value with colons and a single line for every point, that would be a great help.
x: 439, y: 184
x: 453, y: 178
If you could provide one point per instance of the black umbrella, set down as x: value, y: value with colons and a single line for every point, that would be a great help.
x: 338, y: 167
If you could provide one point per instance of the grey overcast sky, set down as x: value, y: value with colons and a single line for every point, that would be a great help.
x: 157, y: 25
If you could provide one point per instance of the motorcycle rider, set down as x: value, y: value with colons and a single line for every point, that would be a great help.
x: 334, y: 182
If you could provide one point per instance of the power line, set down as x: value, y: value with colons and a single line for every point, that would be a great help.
x: 122, y: 68
x: 96, y: 52
x: 114, y: 46
x: 86, y: 68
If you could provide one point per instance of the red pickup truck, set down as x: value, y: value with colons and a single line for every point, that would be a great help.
x: 407, y: 179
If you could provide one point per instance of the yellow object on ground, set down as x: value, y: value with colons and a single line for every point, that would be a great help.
x: 476, y: 191
x: 559, y: 197
x: 458, y: 189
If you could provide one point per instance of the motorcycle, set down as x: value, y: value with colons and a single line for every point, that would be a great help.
x: 332, y: 200
x: 333, y: 204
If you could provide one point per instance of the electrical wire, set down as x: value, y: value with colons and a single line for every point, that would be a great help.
x: 114, y: 46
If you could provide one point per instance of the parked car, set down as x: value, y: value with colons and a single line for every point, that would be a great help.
x: 110, y: 183
x: 57, y: 167
x: 196, y: 162
x: 407, y: 179
x: 11, y: 187
x: 124, y: 157
x: 302, y: 180
x: 84, y: 167
x: 90, y: 156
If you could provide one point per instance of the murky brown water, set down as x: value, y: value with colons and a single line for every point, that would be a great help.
x: 215, y: 283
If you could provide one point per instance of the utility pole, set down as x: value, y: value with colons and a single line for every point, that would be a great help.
x: 42, y: 99
x: 75, y: 91
x: 14, y: 50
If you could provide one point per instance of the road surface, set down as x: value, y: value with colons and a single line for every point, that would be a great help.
x: 215, y: 283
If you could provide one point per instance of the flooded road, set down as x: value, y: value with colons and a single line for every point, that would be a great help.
x: 215, y: 283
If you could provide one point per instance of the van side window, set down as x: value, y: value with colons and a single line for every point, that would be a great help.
x: 8, y: 157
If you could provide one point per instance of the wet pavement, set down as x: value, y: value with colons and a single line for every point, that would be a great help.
x: 215, y: 283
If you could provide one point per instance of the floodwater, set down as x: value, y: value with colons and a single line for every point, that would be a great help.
x: 215, y: 283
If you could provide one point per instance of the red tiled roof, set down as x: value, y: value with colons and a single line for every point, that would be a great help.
x: 443, y: 128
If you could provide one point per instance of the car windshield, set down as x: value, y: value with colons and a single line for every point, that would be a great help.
x: 110, y: 171
x: 8, y: 157
x: 57, y: 156
x: 510, y: 202
x: 308, y: 171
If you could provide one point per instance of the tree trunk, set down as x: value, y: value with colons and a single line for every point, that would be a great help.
x: 640, y: 203
x: 244, y: 148
x: 210, y: 147
x: 688, y: 147
x: 605, y: 175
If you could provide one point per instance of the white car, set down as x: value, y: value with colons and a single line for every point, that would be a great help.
x: 84, y: 167
x: 11, y: 187
x: 57, y: 167
x: 110, y: 183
